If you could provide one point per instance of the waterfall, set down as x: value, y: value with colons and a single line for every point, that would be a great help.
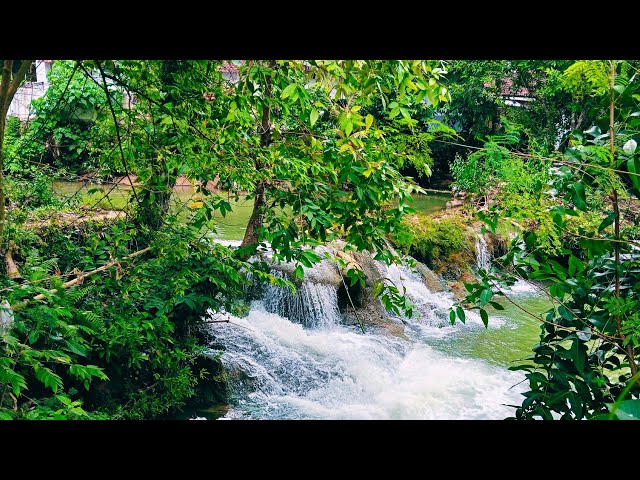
x: 293, y: 358
x: 483, y: 259
x: 314, y: 305
x: 432, y: 309
x: 521, y: 287
x: 280, y: 370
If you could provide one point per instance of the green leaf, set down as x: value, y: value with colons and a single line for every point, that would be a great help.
x: 76, y: 348
x: 629, y: 410
x: 348, y: 129
x: 50, y: 379
x: 485, y: 317
x: 603, y: 416
x: 288, y: 90
x: 313, y: 117
x: 16, y: 380
x: 496, y: 305
x: 633, y: 166
x: 575, y: 265
x: 452, y: 317
x: 460, y: 314
x: 368, y: 121
x: 33, y: 336
x: 485, y: 296
x: 608, y: 220
x: 593, y: 131
x: 630, y: 147
x: 5, y: 415
x: 298, y: 273
x: 566, y: 314
x: 579, y: 197
x: 378, y: 286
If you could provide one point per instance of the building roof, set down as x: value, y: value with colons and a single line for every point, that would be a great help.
x: 508, y: 90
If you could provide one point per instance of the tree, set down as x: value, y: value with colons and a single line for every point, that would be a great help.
x: 557, y: 100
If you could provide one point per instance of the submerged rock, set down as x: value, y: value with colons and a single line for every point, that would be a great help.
x: 455, y: 203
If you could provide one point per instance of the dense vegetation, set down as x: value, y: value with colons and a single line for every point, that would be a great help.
x: 577, y: 215
x: 103, y: 312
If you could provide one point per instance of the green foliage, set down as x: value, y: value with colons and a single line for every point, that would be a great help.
x: 131, y: 328
x: 325, y: 167
x: 587, y: 78
x: 494, y: 168
x: 560, y: 92
x: 413, y: 150
x: 72, y: 126
x: 28, y: 193
x: 588, y: 347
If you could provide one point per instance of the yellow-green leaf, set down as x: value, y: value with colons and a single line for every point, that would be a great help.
x: 368, y: 121
x: 288, y: 90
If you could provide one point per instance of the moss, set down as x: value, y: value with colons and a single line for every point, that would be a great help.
x: 444, y: 243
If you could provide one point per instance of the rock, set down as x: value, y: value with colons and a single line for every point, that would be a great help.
x: 455, y: 203
x: 457, y: 287
x: 431, y: 280
x: 325, y: 272
x: 369, y: 308
x: 214, y: 388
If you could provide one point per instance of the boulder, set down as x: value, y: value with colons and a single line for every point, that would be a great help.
x: 431, y: 280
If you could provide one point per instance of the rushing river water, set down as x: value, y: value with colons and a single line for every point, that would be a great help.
x: 335, y: 372
x: 313, y: 366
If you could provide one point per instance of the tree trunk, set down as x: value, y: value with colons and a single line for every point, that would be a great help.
x: 255, y: 221
x: 616, y: 222
x: 8, y: 88
x: 153, y: 201
x: 260, y: 200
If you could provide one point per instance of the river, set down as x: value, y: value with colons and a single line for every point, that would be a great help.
x: 286, y: 370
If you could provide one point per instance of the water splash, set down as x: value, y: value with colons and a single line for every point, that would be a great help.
x: 432, y: 308
x: 295, y: 359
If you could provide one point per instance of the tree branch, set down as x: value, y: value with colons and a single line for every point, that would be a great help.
x: 79, y: 279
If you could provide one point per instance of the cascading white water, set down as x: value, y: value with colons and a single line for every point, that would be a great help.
x: 311, y: 366
x: 483, y: 261
x: 338, y: 373
x: 314, y: 305
x: 483, y: 258
x: 432, y: 308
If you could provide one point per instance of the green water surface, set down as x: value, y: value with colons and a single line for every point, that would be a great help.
x: 230, y: 227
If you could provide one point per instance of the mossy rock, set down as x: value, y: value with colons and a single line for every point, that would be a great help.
x: 213, y: 389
